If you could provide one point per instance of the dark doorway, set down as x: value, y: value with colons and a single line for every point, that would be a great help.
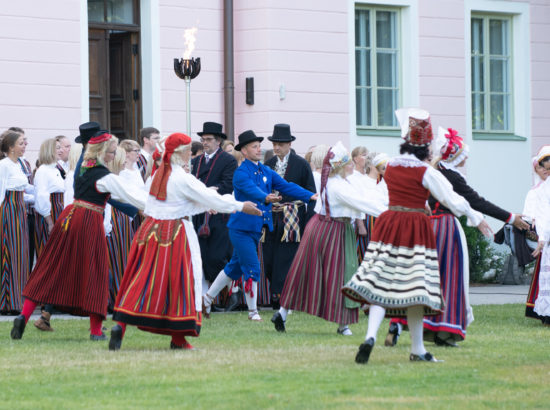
x: 114, y: 67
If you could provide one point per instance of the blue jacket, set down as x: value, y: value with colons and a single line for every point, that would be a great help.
x: 253, y: 182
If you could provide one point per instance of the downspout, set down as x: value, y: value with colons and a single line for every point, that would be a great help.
x: 228, y: 70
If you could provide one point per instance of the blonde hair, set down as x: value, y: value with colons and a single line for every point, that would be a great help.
x: 226, y: 143
x: 129, y: 145
x: 97, y: 151
x: 318, y: 156
x: 368, y: 162
x: 117, y: 164
x: 359, y: 151
x: 238, y: 156
x: 47, y: 154
x: 74, y: 155
x: 177, y: 159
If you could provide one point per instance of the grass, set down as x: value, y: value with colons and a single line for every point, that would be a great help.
x: 504, y: 363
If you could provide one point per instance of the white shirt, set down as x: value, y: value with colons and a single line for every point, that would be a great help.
x: 120, y: 190
x: 208, y: 157
x: 12, y: 178
x: 133, y: 176
x: 47, y: 180
x: 187, y: 196
x: 64, y: 165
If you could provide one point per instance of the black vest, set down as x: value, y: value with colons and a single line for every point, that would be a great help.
x: 85, y: 189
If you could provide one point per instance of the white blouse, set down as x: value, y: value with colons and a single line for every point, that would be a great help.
x: 187, y: 196
x: 542, y: 210
x: 133, y: 176
x: 68, y: 196
x: 47, y: 180
x: 531, y: 202
x: 12, y: 178
x: 120, y: 190
x: 345, y: 199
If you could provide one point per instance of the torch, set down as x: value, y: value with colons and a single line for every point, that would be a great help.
x: 188, y: 68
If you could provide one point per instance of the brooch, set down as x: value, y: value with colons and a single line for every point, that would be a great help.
x: 265, y: 179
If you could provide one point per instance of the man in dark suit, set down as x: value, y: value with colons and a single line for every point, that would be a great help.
x: 289, y: 217
x: 254, y: 182
x: 215, y: 169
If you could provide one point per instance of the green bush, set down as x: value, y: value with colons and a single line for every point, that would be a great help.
x: 485, y: 261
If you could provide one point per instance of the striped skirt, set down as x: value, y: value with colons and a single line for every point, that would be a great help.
x: 318, y: 271
x: 400, y: 268
x: 118, y: 243
x: 73, y: 271
x: 533, y: 292
x: 41, y: 233
x: 159, y: 291
x: 363, y: 241
x: 15, y: 251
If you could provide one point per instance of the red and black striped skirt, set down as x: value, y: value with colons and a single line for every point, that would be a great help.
x: 41, y: 233
x: 72, y: 273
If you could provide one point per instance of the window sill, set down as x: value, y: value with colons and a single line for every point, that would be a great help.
x: 493, y: 136
x: 363, y: 132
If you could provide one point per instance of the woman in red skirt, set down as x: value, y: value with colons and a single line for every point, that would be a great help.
x: 400, y: 274
x: 161, y: 287
x: 72, y: 273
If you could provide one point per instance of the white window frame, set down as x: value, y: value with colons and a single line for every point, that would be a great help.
x: 521, y: 73
x: 409, y: 65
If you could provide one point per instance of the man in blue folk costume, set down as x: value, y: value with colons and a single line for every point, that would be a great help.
x: 254, y: 182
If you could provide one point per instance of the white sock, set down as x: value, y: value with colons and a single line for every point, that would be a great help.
x: 283, y: 311
x: 376, y: 316
x: 234, y: 287
x: 221, y: 282
x: 415, y: 315
x: 251, y: 300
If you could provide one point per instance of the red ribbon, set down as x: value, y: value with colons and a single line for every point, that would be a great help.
x: 452, y: 138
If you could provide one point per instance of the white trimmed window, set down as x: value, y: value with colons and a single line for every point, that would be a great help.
x: 491, y: 65
x: 377, y: 67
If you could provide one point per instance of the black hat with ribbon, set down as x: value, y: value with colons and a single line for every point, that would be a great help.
x: 246, y: 138
x: 87, y: 131
x: 281, y: 133
x: 212, y: 128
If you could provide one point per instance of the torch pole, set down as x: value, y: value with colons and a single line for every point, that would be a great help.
x: 188, y: 103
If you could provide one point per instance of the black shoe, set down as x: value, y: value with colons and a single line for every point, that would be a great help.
x: 444, y: 342
x: 278, y: 321
x: 116, y: 338
x: 18, y: 327
x: 97, y: 338
x: 362, y: 356
x: 234, y: 301
x: 393, y: 335
x: 186, y: 346
x: 275, y: 302
x: 426, y: 357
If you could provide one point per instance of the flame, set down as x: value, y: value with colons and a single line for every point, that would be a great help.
x: 189, y: 37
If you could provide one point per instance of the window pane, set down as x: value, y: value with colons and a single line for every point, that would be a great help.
x: 363, y: 106
x: 499, y: 113
x: 499, y: 75
x: 498, y: 38
x: 386, y: 69
x: 477, y: 36
x: 387, y: 104
x: 96, y: 11
x: 478, y: 112
x: 120, y: 11
x: 362, y: 35
x: 477, y: 74
x: 385, y: 29
x: 362, y: 67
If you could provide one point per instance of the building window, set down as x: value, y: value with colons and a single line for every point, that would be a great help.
x: 491, y: 54
x: 377, y: 60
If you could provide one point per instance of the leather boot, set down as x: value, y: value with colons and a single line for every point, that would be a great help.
x: 43, y: 323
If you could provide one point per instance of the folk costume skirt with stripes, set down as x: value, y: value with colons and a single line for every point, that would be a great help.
x: 159, y: 291
x: 41, y: 233
x: 72, y: 273
x: 15, y: 251
x: 400, y: 268
x: 363, y: 241
x: 118, y: 243
x: 318, y: 271
x: 533, y: 292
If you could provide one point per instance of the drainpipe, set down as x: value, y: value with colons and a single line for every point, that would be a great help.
x: 228, y: 71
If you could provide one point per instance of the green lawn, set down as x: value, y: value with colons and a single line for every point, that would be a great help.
x: 504, y: 363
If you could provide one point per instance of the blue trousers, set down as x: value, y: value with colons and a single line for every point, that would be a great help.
x: 244, y: 261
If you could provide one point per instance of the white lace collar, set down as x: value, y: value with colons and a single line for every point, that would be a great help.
x: 407, y: 160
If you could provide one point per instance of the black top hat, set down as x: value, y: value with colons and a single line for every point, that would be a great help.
x: 281, y: 133
x: 246, y: 138
x: 87, y: 131
x: 212, y: 128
